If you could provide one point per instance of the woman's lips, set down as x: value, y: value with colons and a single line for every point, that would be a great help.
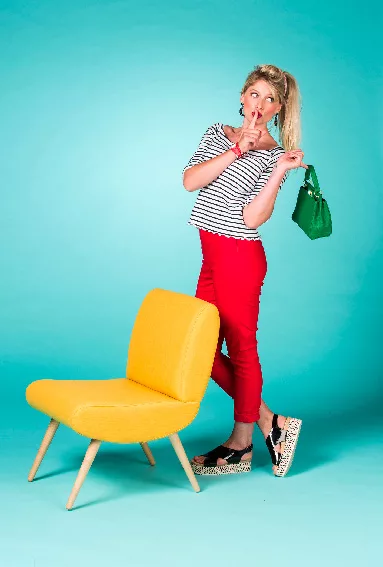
x: 259, y: 114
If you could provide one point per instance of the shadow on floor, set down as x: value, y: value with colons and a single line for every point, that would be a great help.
x: 324, y: 439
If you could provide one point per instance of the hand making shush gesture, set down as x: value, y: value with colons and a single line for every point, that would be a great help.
x: 249, y: 136
x: 249, y: 140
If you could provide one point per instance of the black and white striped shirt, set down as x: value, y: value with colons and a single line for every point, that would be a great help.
x: 219, y: 205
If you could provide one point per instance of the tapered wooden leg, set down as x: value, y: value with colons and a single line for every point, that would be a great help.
x: 180, y: 451
x: 148, y: 453
x: 49, y: 434
x: 86, y: 464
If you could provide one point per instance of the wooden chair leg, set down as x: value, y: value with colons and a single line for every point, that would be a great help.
x: 180, y: 451
x: 86, y: 464
x: 148, y: 453
x: 49, y: 434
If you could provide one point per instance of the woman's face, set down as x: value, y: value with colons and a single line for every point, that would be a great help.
x: 259, y: 98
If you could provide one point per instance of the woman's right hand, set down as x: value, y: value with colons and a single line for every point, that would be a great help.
x: 249, y: 136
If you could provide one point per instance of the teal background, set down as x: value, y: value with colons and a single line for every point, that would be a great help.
x: 102, y: 104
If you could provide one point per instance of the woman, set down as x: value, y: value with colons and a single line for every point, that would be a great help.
x: 239, y: 172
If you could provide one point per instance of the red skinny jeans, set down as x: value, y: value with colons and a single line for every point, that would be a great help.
x: 231, y: 278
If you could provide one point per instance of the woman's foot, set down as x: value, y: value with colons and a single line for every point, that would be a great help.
x: 233, y: 456
x: 265, y: 424
x: 223, y: 460
x: 281, y: 440
x: 230, y: 444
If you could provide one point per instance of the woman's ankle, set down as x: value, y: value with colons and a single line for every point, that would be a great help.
x: 241, y: 436
x: 266, y: 421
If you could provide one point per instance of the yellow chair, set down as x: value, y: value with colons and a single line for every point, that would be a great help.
x: 170, y: 358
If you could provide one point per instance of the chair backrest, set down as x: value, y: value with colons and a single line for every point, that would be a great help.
x: 173, y: 344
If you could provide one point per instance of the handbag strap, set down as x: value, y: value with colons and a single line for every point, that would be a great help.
x: 310, y: 172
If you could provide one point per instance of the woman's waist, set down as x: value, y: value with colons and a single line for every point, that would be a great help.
x: 224, y: 226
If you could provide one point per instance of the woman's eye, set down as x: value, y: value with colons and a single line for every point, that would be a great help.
x: 270, y: 98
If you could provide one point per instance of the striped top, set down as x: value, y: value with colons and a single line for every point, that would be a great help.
x: 218, y: 207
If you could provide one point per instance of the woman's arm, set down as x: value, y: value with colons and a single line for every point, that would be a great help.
x: 201, y: 174
x: 204, y: 173
x: 260, y: 209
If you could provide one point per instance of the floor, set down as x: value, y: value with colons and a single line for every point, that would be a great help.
x: 327, y: 511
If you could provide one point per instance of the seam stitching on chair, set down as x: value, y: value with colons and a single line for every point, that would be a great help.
x: 134, y: 405
x: 130, y: 405
x: 156, y: 391
x: 159, y: 403
x: 78, y: 410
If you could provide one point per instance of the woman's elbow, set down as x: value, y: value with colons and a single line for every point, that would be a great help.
x: 186, y: 182
x: 248, y: 221
x: 189, y: 186
x: 253, y: 224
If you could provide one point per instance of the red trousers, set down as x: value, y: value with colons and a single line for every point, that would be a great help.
x: 231, y: 278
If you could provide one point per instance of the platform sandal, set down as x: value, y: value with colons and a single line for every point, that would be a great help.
x: 287, y: 437
x: 232, y: 457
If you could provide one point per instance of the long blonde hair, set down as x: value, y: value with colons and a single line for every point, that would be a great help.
x: 289, y: 122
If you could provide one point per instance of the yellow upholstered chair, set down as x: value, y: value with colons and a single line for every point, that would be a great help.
x: 170, y: 358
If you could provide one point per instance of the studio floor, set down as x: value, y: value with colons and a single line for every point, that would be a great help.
x: 326, y: 512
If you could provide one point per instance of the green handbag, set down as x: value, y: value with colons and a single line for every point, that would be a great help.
x: 312, y: 213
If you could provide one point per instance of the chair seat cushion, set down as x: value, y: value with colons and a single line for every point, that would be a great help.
x: 116, y: 410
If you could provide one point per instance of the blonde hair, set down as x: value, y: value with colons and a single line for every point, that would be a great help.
x: 289, y: 122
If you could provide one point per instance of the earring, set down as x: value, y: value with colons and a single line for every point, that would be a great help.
x: 276, y: 120
x: 241, y: 110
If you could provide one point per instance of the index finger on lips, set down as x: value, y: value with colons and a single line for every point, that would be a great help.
x: 253, y: 121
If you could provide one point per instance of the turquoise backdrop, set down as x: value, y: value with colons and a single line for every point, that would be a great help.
x: 101, y: 105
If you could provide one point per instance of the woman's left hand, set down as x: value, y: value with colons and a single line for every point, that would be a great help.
x: 291, y: 160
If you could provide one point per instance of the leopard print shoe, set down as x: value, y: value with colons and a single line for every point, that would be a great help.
x: 235, y: 463
x: 288, y: 439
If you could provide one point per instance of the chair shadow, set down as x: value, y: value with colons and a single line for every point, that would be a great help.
x: 76, y: 463
x: 129, y: 474
x: 57, y: 472
x: 324, y: 439
x: 95, y: 502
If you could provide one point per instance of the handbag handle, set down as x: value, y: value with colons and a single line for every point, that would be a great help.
x: 310, y: 172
